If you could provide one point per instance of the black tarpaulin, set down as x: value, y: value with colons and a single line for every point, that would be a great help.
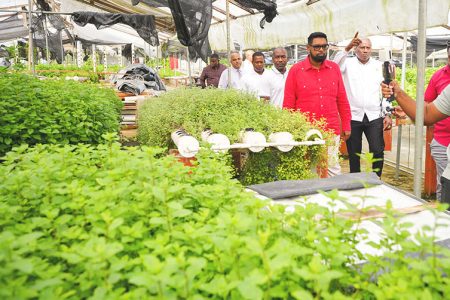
x: 294, y: 188
x: 136, y: 77
x: 143, y: 24
x: 192, y: 20
x: 268, y: 7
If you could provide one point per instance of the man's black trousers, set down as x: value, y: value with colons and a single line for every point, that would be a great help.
x: 373, y: 131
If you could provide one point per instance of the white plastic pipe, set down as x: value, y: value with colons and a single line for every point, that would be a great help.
x: 265, y: 145
x: 187, y: 145
x: 254, y: 141
x: 284, y: 138
x: 216, y: 140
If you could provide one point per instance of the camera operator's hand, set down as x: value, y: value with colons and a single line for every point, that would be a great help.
x: 387, y: 123
x: 388, y: 90
x: 399, y: 113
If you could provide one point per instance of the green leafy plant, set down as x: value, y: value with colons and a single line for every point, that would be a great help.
x: 230, y: 112
x: 55, y: 70
x: 99, y: 222
x: 411, y: 79
x: 58, y: 112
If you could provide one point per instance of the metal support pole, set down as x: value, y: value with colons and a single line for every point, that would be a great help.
x: 296, y: 53
x: 400, y: 127
x: 47, y: 52
x: 16, y: 52
x: 120, y: 55
x: 30, y: 38
x: 94, y: 58
x: 421, y: 43
x: 189, y: 66
x: 105, y: 59
x: 79, y: 54
x: 62, y: 47
x: 228, y: 43
x: 433, y: 57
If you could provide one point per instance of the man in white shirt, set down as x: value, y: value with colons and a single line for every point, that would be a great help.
x: 362, y: 78
x: 247, y: 65
x: 256, y: 81
x: 277, y: 77
x: 236, y: 72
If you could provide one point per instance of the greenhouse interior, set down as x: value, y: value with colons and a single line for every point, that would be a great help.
x: 224, y: 149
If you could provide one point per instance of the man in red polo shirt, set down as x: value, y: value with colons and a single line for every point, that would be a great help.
x: 441, y: 136
x: 315, y: 87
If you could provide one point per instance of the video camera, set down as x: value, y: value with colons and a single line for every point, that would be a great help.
x: 388, y: 75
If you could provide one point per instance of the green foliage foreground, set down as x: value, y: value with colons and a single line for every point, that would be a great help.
x: 229, y: 112
x: 58, y: 112
x: 97, y: 222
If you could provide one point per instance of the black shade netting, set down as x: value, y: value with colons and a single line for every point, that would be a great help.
x: 42, y: 36
x: 192, y: 20
x: 54, y: 44
x: 268, y: 7
x: 432, y: 43
x: 143, y: 24
x: 55, y: 20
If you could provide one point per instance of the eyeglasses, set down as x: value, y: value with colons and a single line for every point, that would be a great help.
x: 318, y: 47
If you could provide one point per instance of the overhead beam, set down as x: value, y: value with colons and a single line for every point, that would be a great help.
x: 249, y: 10
x: 223, y: 12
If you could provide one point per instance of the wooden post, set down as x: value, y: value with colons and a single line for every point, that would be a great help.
x: 387, y: 135
x: 430, y: 166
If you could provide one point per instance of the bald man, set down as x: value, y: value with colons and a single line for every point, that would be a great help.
x: 362, y: 78
x: 247, y: 65
x: 277, y: 76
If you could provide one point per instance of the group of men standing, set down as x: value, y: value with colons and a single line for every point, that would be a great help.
x: 345, y: 93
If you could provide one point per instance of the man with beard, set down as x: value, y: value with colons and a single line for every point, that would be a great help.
x: 362, y: 78
x: 235, y: 70
x: 211, y: 73
x: 315, y: 87
x: 256, y: 81
x: 277, y: 76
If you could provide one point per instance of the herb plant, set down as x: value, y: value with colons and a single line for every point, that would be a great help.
x: 229, y: 112
x: 57, y: 112
x: 98, y: 222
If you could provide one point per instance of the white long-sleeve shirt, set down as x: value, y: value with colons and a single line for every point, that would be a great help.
x: 236, y: 79
x: 362, y: 84
x: 276, y: 81
x: 256, y: 84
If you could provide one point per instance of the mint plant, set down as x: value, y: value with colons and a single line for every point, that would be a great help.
x: 57, y: 112
x: 102, y: 222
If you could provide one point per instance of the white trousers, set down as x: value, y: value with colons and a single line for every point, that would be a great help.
x: 334, y: 168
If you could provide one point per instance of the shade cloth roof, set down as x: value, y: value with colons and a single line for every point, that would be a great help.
x: 338, y: 19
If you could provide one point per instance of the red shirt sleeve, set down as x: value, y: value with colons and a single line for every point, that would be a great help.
x: 290, y: 88
x: 431, y: 93
x: 343, y: 105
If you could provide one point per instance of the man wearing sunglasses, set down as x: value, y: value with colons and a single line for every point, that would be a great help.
x: 315, y: 87
x: 362, y: 78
